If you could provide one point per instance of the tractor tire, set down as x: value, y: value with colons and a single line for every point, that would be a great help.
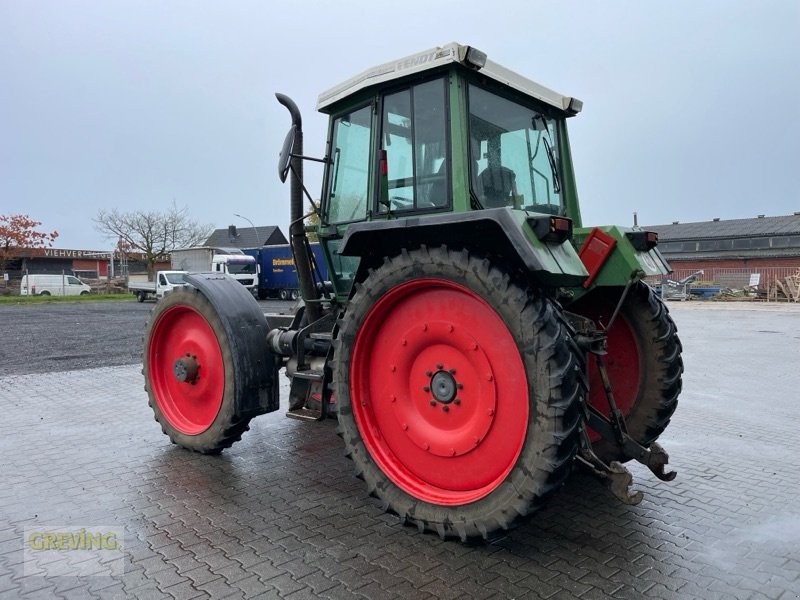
x: 458, y: 392
x: 644, y: 364
x: 194, y: 402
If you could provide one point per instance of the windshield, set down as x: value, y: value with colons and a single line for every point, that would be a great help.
x: 241, y: 268
x: 175, y: 278
x: 514, y: 154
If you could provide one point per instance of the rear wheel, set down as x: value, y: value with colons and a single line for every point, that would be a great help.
x: 644, y: 363
x: 44, y: 293
x: 458, y: 392
x: 188, y: 371
x: 140, y: 296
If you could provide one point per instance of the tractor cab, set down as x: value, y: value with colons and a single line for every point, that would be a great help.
x: 443, y: 131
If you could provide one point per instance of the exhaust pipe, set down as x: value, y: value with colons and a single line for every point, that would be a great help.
x: 297, y: 232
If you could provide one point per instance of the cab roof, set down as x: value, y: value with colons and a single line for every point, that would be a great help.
x: 440, y: 56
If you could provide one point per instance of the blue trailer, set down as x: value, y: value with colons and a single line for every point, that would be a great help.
x: 277, y: 277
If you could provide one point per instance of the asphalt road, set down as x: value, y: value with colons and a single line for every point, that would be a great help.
x: 66, y: 336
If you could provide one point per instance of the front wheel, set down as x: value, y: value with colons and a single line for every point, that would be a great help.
x: 189, y: 374
x: 458, y: 392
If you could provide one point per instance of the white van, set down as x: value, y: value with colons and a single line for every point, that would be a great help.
x: 52, y: 285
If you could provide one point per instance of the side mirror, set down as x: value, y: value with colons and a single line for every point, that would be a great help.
x: 285, y: 156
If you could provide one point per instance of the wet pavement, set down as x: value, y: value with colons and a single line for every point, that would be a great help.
x: 280, y: 515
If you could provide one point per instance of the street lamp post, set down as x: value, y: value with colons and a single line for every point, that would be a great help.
x: 253, y: 226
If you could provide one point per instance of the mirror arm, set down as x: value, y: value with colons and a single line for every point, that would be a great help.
x: 325, y: 160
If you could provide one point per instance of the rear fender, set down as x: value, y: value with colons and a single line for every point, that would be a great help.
x: 255, y: 369
x: 500, y: 232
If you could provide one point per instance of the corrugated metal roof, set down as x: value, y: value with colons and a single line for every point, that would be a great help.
x: 247, y: 237
x: 733, y: 254
x: 783, y: 225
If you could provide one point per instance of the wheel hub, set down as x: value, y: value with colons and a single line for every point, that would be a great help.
x: 185, y: 369
x: 443, y: 387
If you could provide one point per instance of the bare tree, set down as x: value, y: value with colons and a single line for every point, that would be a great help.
x: 154, y: 234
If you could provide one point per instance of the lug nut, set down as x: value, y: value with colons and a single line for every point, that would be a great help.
x: 439, y: 366
x: 429, y: 373
x: 445, y: 408
x: 457, y: 401
x: 452, y: 371
x: 460, y: 386
x: 433, y: 402
x: 425, y: 388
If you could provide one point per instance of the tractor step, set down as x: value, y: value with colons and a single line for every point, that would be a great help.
x: 305, y: 414
x: 308, y: 375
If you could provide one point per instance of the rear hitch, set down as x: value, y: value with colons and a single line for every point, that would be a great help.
x: 614, y: 476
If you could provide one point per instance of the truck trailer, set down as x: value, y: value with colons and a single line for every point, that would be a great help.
x: 277, y: 275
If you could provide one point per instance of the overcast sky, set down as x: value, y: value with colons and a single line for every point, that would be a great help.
x: 690, y: 108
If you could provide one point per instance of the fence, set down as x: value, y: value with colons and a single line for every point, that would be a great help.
x: 735, y: 278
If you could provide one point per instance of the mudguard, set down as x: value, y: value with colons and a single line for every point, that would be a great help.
x: 255, y: 369
x: 502, y: 232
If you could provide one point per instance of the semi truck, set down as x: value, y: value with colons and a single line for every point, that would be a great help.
x: 277, y: 275
x: 477, y: 341
x: 204, y: 259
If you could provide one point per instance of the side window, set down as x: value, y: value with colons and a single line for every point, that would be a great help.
x: 414, y: 136
x: 72, y: 280
x: 162, y: 280
x: 348, y: 176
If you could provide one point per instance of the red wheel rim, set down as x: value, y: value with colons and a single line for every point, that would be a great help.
x: 191, y: 405
x: 622, y: 364
x: 439, y: 392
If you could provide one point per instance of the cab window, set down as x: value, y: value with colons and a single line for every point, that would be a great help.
x: 514, y: 154
x: 414, y: 140
x: 348, y: 174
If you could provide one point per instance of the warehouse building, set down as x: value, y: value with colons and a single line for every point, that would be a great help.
x: 729, y: 251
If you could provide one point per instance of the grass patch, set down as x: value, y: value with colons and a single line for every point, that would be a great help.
x: 48, y: 299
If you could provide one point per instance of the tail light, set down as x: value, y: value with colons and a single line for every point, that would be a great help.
x: 551, y: 229
x: 643, y: 240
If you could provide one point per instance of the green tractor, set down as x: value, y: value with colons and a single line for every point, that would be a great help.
x: 475, y: 341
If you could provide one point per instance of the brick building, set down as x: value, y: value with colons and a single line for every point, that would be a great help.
x: 728, y: 251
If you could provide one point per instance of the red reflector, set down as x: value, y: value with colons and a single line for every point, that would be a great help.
x: 384, y: 163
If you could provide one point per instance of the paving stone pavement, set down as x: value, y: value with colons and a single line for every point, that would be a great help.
x: 280, y: 514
